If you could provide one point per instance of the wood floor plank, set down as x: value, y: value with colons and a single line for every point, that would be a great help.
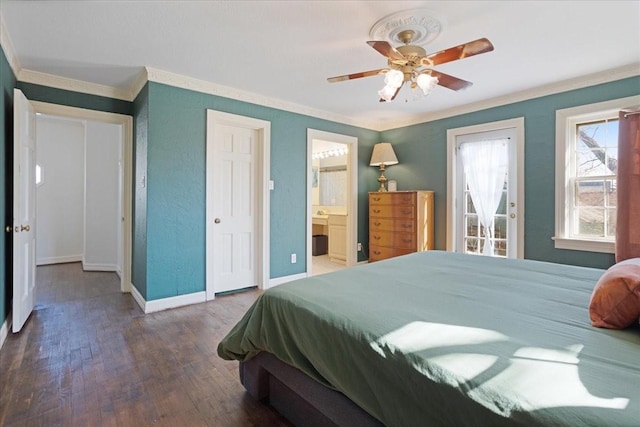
x: 88, y: 356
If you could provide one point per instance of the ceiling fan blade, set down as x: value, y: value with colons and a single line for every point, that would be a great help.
x: 450, y: 82
x: 466, y: 50
x: 389, y: 51
x: 356, y: 75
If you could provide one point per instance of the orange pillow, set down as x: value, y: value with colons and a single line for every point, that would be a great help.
x: 615, y: 301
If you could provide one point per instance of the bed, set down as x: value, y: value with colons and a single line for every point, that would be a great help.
x: 439, y: 339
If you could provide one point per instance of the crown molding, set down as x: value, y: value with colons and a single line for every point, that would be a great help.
x: 184, y: 82
x: 51, y: 80
x: 620, y: 73
x: 139, y: 82
x: 7, y: 47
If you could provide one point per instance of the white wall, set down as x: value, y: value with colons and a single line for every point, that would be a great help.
x: 78, y: 205
x: 60, y: 196
x: 102, y: 197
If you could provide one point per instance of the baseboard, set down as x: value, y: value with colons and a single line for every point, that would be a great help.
x: 59, y: 260
x: 137, y: 296
x: 99, y: 267
x: 284, y: 279
x: 167, y: 303
x: 5, y: 328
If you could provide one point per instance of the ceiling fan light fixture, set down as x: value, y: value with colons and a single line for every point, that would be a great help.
x: 394, y: 78
x: 426, y: 82
x: 387, y: 93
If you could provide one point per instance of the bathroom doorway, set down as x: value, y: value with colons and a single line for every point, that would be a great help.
x: 331, y: 201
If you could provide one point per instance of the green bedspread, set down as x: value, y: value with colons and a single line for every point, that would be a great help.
x: 438, y: 338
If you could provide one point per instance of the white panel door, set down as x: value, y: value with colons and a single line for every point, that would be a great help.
x: 234, y: 208
x: 24, y: 209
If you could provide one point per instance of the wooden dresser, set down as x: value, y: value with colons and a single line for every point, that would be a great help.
x: 400, y: 222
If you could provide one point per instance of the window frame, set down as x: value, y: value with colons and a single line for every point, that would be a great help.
x: 566, y: 121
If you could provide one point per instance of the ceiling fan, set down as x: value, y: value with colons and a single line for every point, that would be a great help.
x: 411, y: 64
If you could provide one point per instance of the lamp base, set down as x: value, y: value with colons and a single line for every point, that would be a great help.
x: 382, y: 179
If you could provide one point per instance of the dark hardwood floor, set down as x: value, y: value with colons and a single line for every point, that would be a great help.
x: 88, y: 356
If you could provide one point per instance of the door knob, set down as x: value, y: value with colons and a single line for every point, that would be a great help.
x: 8, y: 229
x: 512, y: 215
x: 217, y: 220
x: 25, y: 228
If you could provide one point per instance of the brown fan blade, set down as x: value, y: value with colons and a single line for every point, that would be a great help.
x: 389, y: 51
x: 357, y: 75
x: 466, y: 50
x: 450, y: 82
x: 394, y: 95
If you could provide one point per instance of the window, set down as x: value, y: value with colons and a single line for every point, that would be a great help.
x: 593, y: 179
x: 586, y: 163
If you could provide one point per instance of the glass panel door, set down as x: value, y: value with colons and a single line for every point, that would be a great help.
x: 470, y: 233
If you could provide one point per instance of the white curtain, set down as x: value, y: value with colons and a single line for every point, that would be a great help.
x: 485, y: 166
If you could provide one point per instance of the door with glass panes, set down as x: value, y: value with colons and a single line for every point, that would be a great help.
x: 486, y: 194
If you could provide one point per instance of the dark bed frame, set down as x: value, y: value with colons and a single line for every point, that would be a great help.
x: 299, y: 398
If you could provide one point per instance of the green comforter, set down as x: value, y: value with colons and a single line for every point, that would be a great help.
x: 438, y: 338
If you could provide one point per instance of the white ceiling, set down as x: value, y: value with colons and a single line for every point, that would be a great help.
x: 285, y: 50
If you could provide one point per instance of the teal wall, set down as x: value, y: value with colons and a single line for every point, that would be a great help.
x: 7, y: 83
x: 422, y: 153
x: 35, y: 92
x: 175, y: 199
x: 139, y: 226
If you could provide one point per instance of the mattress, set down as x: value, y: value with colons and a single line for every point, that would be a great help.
x: 452, y: 339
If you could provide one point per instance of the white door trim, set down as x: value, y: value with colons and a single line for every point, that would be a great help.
x: 127, y: 158
x: 518, y: 124
x: 263, y: 174
x: 352, y: 193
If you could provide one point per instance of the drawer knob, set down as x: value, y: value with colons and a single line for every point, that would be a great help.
x: 376, y: 252
x: 377, y: 223
x: 406, y: 225
x: 407, y: 212
x: 407, y: 240
x: 377, y: 199
x: 376, y: 211
x: 377, y: 237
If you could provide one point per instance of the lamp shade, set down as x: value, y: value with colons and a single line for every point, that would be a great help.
x: 383, y: 154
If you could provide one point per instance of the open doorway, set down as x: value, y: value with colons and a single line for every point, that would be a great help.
x: 99, y: 235
x: 79, y: 193
x: 331, y: 201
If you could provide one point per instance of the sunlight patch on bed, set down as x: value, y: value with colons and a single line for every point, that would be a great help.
x: 419, y: 336
x: 465, y: 366
x: 540, y: 378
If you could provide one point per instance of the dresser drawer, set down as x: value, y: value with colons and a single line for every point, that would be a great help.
x: 393, y: 199
x: 392, y: 211
x: 392, y: 239
x: 377, y: 253
x: 388, y: 224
